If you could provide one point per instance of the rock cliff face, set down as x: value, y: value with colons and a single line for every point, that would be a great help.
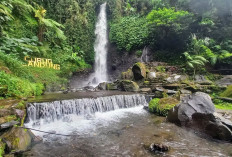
x: 119, y: 61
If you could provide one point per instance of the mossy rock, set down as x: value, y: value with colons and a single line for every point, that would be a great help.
x: 139, y: 71
x: 17, y: 139
x: 128, y: 75
x: 111, y: 86
x: 129, y: 86
x: 228, y: 92
x: 162, y: 106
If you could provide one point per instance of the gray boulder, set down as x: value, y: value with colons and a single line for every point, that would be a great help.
x: 197, y: 111
x: 17, y: 139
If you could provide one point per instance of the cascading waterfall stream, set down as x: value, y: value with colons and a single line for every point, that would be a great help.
x: 44, y: 113
x: 100, y: 48
x: 145, y: 57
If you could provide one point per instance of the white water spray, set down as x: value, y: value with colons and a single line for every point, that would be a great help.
x: 100, y: 48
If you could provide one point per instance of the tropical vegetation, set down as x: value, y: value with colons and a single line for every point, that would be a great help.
x: 188, y: 33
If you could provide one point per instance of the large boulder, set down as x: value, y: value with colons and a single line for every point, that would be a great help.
x: 139, y: 71
x: 129, y: 86
x: 196, y: 103
x: 17, y: 139
x: 198, y: 112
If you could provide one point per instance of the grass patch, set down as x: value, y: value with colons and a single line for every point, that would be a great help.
x: 220, y: 104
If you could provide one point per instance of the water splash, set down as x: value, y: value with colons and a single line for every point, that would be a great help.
x: 100, y: 48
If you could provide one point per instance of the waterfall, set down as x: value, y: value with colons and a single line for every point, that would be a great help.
x: 100, y: 48
x: 145, y: 57
x: 59, y: 110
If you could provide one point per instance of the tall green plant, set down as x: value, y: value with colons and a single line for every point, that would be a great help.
x: 194, y: 62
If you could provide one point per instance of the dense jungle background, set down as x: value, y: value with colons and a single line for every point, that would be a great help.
x: 193, y: 34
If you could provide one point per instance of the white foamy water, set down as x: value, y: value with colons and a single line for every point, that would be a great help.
x: 100, y: 48
x: 78, y: 116
x: 80, y: 125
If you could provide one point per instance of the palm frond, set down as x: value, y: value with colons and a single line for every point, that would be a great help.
x: 200, y: 58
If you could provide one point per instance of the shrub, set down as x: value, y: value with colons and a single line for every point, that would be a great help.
x: 16, y: 87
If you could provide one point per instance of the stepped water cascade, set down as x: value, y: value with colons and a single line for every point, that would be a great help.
x: 39, y: 113
x: 100, y: 48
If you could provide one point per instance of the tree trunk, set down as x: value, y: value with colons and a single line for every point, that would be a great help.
x: 40, y: 33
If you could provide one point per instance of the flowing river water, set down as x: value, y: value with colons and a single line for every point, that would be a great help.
x: 112, y: 126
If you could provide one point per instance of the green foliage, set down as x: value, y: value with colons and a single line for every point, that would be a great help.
x: 15, y: 66
x: 162, y: 106
x: 166, y: 17
x: 5, y: 14
x: 227, y: 92
x: 139, y: 53
x: 129, y: 33
x: 210, y: 50
x: 20, y: 47
x: 153, y: 105
x: 21, y: 105
x: 194, y: 62
x: 48, y: 23
x: 16, y: 87
x: 220, y: 104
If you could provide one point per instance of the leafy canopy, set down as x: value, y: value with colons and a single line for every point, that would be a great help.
x: 166, y: 17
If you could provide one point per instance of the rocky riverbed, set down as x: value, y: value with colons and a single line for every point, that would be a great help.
x: 126, y: 132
